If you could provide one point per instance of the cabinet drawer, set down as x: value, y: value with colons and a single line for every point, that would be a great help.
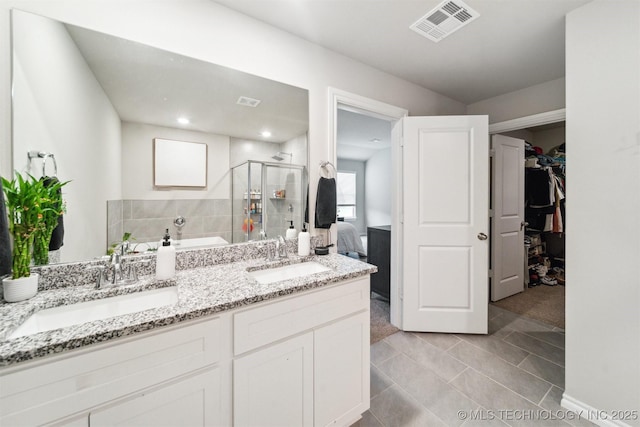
x: 86, y: 378
x: 271, y: 322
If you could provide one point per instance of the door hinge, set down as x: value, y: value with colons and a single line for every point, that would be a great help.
x: 492, y: 152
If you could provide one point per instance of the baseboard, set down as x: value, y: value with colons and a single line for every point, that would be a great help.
x: 596, y: 416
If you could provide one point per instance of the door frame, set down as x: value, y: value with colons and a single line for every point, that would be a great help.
x: 529, y: 121
x: 343, y: 100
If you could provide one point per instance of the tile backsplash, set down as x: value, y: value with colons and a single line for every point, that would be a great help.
x: 147, y: 220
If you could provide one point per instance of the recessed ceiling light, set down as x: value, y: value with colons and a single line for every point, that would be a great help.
x: 375, y: 140
x: 183, y: 120
x: 265, y: 134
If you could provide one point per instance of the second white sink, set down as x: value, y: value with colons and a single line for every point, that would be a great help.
x: 286, y: 272
x: 73, y: 314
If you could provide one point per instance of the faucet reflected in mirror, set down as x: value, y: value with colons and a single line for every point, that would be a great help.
x: 116, y: 119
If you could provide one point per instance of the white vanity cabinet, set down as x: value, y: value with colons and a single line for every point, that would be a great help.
x: 296, y: 360
x: 66, y: 389
x: 191, y: 401
x: 303, y: 361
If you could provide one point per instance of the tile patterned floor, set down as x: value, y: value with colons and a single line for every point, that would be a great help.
x: 513, y: 376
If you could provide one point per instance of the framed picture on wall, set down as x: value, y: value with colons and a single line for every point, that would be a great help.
x: 179, y: 163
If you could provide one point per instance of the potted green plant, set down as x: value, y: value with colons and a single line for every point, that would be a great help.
x: 23, y: 199
x: 52, y: 207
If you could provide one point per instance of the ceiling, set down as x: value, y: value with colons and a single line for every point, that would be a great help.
x: 512, y: 45
x: 359, y: 136
x: 153, y: 86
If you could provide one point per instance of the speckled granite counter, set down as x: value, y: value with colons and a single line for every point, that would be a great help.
x: 202, y: 291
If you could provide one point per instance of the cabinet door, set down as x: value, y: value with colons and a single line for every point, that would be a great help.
x: 194, y: 401
x: 274, y: 386
x: 341, y: 374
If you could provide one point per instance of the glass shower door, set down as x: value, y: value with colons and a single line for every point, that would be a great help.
x: 284, y: 198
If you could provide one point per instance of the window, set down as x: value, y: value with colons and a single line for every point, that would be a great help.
x: 346, y: 189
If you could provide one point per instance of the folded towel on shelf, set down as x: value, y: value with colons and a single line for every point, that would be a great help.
x: 5, y: 244
x: 326, y: 203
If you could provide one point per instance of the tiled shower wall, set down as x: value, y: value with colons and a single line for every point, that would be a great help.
x: 147, y: 220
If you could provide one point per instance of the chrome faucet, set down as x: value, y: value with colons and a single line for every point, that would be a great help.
x: 116, y: 266
x: 281, y: 247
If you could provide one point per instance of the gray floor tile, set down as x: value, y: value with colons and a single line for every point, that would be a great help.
x: 428, y: 389
x: 381, y: 351
x: 379, y: 382
x: 535, y: 346
x: 367, y: 420
x: 498, y: 347
x: 551, y: 403
x: 504, y: 403
x: 503, y: 372
x: 395, y: 408
x: 525, y: 324
x: 442, y: 341
x: 427, y: 355
x: 544, y: 369
x: 555, y: 338
x: 481, y: 418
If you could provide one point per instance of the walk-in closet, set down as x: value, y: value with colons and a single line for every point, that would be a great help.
x: 544, y: 225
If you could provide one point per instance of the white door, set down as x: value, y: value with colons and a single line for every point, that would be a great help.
x: 445, y: 217
x: 507, y: 231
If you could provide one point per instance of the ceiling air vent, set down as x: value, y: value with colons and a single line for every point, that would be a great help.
x: 447, y: 17
x: 248, y: 102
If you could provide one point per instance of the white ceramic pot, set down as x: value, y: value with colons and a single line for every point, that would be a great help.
x: 15, y: 290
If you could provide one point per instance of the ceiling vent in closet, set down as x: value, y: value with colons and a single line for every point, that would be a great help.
x: 446, y: 18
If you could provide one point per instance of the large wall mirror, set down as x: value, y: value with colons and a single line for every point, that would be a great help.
x: 97, y: 102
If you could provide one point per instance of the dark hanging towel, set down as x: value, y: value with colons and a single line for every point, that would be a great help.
x: 5, y: 245
x: 57, y: 237
x: 326, y: 203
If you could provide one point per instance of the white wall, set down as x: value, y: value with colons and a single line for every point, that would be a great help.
x: 208, y: 31
x: 84, y: 135
x: 536, y: 99
x: 378, y: 188
x: 603, y: 249
x: 137, y: 163
x: 549, y: 139
x: 344, y: 165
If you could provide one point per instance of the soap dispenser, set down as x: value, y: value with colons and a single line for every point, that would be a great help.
x: 291, y: 231
x: 166, y: 259
x: 304, y: 242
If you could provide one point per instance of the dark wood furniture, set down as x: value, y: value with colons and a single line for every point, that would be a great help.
x: 379, y: 254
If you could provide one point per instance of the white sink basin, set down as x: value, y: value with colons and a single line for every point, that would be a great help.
x: 291, y: 271
x: 73, y: 314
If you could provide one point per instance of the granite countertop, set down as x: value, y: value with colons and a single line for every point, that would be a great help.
x: 201, y: 291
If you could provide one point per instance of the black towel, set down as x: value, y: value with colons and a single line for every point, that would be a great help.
x: 326, y: 203
x: 5, y: 244
x: 57, y: 237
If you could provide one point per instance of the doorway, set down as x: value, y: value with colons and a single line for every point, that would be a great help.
x: 361, y: 129
x: 542, y: 295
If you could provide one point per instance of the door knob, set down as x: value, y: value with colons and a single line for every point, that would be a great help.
x: 482, y: 236
x: 523, y: 224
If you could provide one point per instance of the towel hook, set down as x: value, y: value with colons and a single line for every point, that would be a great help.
x: 331, y: 172
x: 44, y: 156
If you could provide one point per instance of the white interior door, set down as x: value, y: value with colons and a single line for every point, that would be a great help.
x: 507, y: 231
x: 445, y: 220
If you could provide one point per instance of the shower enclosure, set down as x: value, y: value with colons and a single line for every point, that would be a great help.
x: 266, y: 196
